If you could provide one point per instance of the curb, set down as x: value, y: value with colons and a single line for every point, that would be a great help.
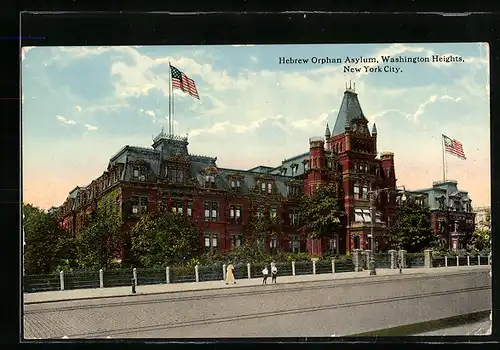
x: 223, y: 287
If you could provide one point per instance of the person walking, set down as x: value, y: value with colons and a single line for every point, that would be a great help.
x: 265, y: 274
x: 230, y: 274
x: 274, y: 272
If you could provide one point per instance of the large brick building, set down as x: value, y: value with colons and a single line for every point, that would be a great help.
x: 452, y: 216
x: 221, y: 200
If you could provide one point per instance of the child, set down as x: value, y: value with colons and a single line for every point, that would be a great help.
x: 274, y: 272
x: 265, y: 273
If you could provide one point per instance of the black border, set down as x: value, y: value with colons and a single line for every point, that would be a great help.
x: 139, y: 28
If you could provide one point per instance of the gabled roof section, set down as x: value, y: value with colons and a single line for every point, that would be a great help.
x: 350, y: 109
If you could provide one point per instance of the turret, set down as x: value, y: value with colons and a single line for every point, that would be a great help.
x: 374, y: 138
x: 317, y: 163
x: 327, y: 138
x: 387, y: 164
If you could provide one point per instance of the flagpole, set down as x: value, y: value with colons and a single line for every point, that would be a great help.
x: 444, y: 158
x: 173, y: 110
x: 169, y: 99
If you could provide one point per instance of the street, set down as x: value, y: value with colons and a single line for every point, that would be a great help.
x: 316, y: 308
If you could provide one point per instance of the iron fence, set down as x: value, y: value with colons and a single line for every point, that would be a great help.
x: 323, y: 266
x: 414, y: 260
x: 462, y: 261
x: 438, y: 261
x: 484, y: 260
x: 303, y: 268
x: 182, y: 274
x: 41, y: 283
x: 382, y: 260
x: 81, y: 279
x: 117, y: 277
x: 256, y: 269
x: 284, y: 269
x: 240, y: 271
x: 211, y: 273
x: 344, y: 265
x: 155, y: 275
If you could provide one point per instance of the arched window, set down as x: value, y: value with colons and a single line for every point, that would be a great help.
x: 355, y: 166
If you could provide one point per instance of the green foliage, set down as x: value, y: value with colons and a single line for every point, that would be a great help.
x: 46, y: 243
x: 321, y: 214
x: 162, y: 239
x: 481, y: 240
x: 412, y: 230
x: 100, y: 239
x: 264, y: 223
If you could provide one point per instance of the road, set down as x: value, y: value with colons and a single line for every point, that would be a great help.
x: 482, y: 327
x: 317, y: 308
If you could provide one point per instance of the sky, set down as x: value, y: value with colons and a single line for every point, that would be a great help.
x: 81, y: 105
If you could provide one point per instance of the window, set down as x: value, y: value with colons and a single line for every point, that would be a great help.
x: 377, y: 172
x: 139, y: 205
x: 356, y: 191
x: 306, y: 166
x: 211, y: 241
x: 166, y: 170
x: 361, y: 166
x: 366, y: 167
x: 388, y: 172
x: 458, y: 206
x: 294, y: 170
x: 263, y: 187
x: 236, y: 241
x: 293, y: 217
x: 358, y: 215
x: 355, y: 166
x: 136, y: 172
x: 211, y: 211
x: 139, y: 173
x: 292, y: 190
x: 177, y: 207
x: 269, y: 187
x: 178, y: 175
x: 295, y: 244
x: 363, y: 215
x: 260, y: 212
x: 190, y: 208
x: 356, y: 242
x: 210, y: 180
x: 235, y: 213
x: 365, y: 191
x: 235, y: 184
x: 273, y: 243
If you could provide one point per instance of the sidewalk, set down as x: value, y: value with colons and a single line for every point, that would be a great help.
x: 113, y: 292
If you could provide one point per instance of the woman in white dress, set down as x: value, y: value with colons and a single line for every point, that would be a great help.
x: 230, y: 274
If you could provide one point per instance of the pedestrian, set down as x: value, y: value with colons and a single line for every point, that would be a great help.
x: 265, y: 274
x: 230, y: 274
x: 274, y: 272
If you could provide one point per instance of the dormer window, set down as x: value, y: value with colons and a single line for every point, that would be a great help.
x: 269, y: 187
x: 139, y: 174
x: 306, y: 166
x: 235, y: 184
x: 210, y: 180
x: 263, y: 187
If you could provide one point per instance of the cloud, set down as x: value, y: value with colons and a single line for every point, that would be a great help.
x: 432, y: 99
x: 78, y: 108
x: 90, y: 127
x: 64, y: 120
x: 254, y: 59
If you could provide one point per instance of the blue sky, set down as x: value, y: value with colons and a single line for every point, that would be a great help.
x: 82, y: 104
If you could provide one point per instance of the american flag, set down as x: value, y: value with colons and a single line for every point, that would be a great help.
x: 454, y: 147
x: 182, y: 82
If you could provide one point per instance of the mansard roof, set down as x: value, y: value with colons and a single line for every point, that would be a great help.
x: 288, y: 163
x: 350, y: 109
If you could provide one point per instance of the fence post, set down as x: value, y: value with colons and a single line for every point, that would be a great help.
x: 314, y: 267
x: 223, y: 272
x: 293, y: 267
x: 61, y: 278
x: 167, y: 273
x: 197, y: 272
x: 468, y: 260
x: 333, y: 265
x: 402, y: 256
x: 428, y: 258
x: 458, y: 262
x: 356, y: 257
x: 101, y: 278
x: 249, y: 271
x: 368, y: 258
x: 446, y: 261
x: 479, y: 260
x: 392, y: 255
x: 134, y: 273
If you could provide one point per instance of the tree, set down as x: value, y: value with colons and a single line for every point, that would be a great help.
x: 101, y: 238
x: 321, y: 214
x: 46, y: 243
x: 481, y: 239
x: 412, y: 230
x: 265, y: 223
x: 163, y: 238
